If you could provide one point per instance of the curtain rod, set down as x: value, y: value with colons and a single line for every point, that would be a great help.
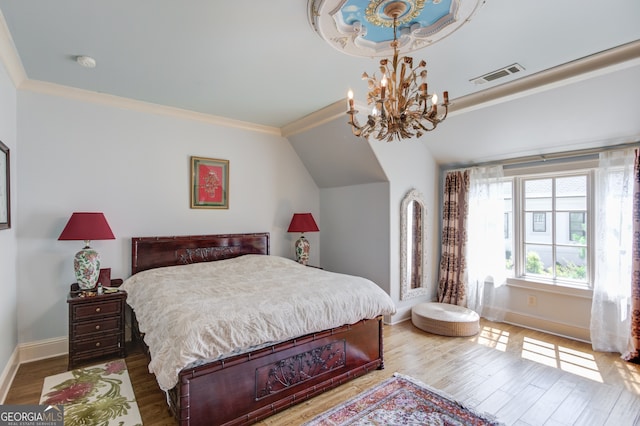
x: 537, y: 158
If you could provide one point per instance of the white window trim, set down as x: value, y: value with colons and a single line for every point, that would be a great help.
x: 555, y: 169
x: 567, y: 290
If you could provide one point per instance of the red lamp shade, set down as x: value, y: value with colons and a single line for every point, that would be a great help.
x: 87, y: 227
x: 303, y: 222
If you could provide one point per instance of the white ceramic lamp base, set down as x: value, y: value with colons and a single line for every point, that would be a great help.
x: 86, y: 265
x: 302, y: 250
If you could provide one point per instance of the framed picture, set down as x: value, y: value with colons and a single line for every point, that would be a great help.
x: 105, y: 277
x: 209, y: 183
x: 5, y: 199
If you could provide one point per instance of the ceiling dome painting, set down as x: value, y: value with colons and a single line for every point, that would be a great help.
x: 361, y: 27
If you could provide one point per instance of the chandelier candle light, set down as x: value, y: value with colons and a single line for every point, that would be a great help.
x: 402, y: 107
x: 86, y: 227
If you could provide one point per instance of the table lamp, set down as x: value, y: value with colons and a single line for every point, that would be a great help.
x: 302, y: 222
x: 86, y: 227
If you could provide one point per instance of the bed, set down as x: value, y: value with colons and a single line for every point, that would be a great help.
x: 228, y: 377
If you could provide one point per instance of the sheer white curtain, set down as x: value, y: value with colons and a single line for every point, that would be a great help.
x: 485, y: 235
x: 610, y: 310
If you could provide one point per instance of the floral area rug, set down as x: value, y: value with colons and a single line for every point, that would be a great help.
x: 99, y: 395
x: 401, y: 400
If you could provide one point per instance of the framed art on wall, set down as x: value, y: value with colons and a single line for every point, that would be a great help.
x: 5, y: 199
x: 209, y: 183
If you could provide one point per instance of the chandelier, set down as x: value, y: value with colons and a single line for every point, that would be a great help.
x: 401, y: 105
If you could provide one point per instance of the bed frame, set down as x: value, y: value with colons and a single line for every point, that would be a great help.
x: 247, y: 388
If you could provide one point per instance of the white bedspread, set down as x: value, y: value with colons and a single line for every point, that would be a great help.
x: 206, y: 311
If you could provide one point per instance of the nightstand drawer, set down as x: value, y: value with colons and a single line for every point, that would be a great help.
x: 94, y: 310
x: 97, y: 344
x: 86, y: 329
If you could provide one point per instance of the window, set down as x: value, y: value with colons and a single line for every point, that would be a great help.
x: 550, y: 213
x: 577, y: 226
x: 539, y: 222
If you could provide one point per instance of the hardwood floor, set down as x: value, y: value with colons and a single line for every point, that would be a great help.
x: 523, y: 377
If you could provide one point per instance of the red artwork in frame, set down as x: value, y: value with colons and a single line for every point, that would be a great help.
x: 209, y: 183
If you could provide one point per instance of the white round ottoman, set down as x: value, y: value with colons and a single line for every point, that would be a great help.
x: 445, y: 319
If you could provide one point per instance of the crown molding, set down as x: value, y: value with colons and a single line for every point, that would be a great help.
x: 8, y: 55
x: 619, y: 58
x: 141, y: 106
x: 315, y: 119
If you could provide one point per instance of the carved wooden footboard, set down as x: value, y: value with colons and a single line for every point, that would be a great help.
x: 246, y: 388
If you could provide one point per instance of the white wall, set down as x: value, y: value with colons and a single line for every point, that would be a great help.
x: 565, y: 314
x: 409, y: 165
x: 134, y: 167
x: 355, y: 238
x: 8, y: 238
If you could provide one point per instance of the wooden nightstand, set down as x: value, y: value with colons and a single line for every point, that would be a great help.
x: 96, y: 325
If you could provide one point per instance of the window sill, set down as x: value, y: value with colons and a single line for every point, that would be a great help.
x: 550, y: 288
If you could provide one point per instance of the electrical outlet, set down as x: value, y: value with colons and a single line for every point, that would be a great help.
x: 532, y: 300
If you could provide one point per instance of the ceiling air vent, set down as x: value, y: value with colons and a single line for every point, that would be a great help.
x: 497, y: 74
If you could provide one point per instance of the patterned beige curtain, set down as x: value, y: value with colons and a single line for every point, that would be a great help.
x: 634, y: 341
x: 452, y: 281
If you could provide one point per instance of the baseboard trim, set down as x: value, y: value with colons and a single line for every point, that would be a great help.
x: 43, y: 349
x: 552, y: 327
x: 521, y: 320
x: 8, y: 374
x: 401, y: 315
x: 28, y: 352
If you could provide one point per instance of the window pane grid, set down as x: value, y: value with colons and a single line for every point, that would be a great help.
x: 552, y: 229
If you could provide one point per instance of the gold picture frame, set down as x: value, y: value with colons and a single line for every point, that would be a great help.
x: 209, y: 183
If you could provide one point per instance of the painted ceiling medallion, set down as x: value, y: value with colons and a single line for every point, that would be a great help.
x: 412, y: 10
x: 361, y: 27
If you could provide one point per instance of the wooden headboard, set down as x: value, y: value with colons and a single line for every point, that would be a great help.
x: 156, y: 252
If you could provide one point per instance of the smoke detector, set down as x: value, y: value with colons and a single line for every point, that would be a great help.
x: 498, y: 74
x: 86, y: 61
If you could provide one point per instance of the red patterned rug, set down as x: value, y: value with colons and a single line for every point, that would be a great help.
x: 402, y: 400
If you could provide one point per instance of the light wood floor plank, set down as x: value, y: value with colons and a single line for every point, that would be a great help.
x: 545, y: 407
x: 518, y: 405
x: 526, y: 377
x: 576, y: 402
x: 494, y: 402
x: 625, y: 411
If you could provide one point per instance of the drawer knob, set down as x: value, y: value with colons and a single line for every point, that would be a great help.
x: 97, y: 344
x: 97, y: 327
x: 97, y: 309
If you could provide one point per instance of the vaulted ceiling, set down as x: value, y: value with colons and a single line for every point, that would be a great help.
x: 264, y: 63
